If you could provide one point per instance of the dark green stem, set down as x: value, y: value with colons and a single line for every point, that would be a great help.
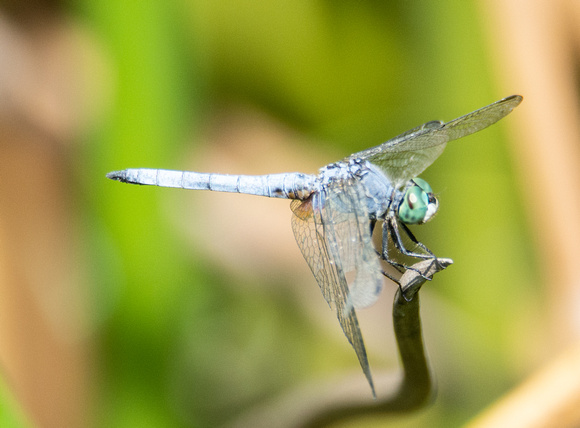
x: 318, y: 407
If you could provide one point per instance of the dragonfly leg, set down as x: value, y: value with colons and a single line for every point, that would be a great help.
x: 423, y: 273
x: 391, y: 277
x: 385, y: 252
x: 415, y: 240
x: 421, y: 245
x: 384, y: 256
x: 394, y: 233
x: 372, y: 225
x: 392, y: 227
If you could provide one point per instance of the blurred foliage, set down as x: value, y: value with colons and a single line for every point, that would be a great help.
x: 11, y: 415
x: 180, y: 345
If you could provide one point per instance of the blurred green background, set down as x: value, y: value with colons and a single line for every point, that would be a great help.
x: 196, y: 307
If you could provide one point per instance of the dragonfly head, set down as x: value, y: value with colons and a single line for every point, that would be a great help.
x: 419, y: 204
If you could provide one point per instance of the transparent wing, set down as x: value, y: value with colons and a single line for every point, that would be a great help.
x: 332, y: 231
x: 406, y: 156
x: 348, y: 219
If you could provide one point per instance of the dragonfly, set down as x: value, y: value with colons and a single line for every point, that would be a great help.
x: 335, y: 212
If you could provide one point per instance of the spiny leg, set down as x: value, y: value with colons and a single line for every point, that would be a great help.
x: 397, y: 266
x: 385, y: 251
x: 415, y: 240
x: 390, y: 229
x: 392, y: 226
x: 397, y: 242
x: 372, y: 225
x: 421, y: 245
x: 384, y: 255
x: 391, y: 277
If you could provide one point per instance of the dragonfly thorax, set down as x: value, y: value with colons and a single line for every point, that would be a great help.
x: 375, y: 189
x: 379, y: 191
x: 415, y: 204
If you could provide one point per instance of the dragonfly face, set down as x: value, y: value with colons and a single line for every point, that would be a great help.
x: 419, y: 204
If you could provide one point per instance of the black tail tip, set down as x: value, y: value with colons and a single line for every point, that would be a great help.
x: 117, y: 175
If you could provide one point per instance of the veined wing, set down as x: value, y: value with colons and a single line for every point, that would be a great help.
x: 406, y: 156
x: 333, y: 233
x: 346, y: 212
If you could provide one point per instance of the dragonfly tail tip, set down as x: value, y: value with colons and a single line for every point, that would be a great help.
x: 117, y: 175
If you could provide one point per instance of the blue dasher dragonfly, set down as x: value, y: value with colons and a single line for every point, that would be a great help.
x: 335, y: 212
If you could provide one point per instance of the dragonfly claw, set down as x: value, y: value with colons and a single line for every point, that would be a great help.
x: 416, y: 275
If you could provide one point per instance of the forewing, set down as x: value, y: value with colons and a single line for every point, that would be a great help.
x: 323, y: 227
x: 406, y: 156
x: 348, y: 216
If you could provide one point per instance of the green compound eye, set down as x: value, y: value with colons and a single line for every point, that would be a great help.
x: 419, y: 204
x: 414, y: 206
x: 422, y: 184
